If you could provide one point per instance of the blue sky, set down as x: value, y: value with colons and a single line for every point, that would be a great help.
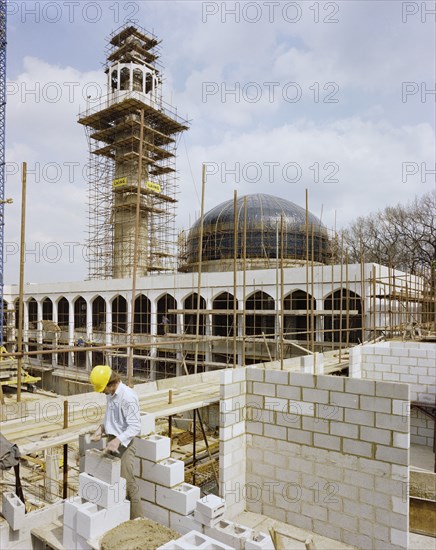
x: 318, y: 95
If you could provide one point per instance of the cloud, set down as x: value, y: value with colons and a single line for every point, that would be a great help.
x: 343, y: 164
x: 362, y: 139
x: 42, y: 107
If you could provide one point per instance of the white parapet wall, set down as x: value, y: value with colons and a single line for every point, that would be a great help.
x: 413, y: 363
x: 233, y: 438
x: 325, y: 453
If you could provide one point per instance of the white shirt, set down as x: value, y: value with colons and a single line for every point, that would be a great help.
x: 122, y: 418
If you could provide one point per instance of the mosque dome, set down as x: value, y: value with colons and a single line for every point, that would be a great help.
x: 265, y: 219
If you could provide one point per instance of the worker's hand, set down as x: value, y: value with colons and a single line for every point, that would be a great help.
x: 113, y: 445
x: 96, y: 436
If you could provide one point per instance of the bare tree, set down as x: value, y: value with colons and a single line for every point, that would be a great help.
x: 401, y: 236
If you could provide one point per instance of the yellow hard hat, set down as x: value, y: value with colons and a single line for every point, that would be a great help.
x: 99, y: 377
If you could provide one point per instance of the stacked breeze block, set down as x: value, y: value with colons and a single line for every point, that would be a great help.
x: 85, y: 444
x: 147, y: 424
x: 210, y: 510
x: 195, y: 541
x: 101, y: 504
x: 13, y: 510
x: 230, y: 533
x: 166, y: 498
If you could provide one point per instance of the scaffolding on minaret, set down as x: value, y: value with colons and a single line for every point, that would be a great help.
x: 114, y: 132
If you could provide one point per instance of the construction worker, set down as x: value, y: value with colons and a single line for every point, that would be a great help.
x: 121, y: 424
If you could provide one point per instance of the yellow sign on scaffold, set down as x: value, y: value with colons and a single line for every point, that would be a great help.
x: 153, y: 186
x: 119, y: 182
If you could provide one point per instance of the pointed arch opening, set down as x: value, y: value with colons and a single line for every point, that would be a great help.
x: 32, y: 314
x: 63, y: 313
x: 47, y: 310
x: 80, y: 316
x: 142, y: 317
x: 190, y: 319
x: 166, y: 321
x: 223, y: 324
x: 98, y: 314
x: 256, y: 322
x: 298, y: 325
x: 119, y: 315
x: 344, y: 324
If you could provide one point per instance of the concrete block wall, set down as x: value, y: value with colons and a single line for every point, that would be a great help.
x: 233, y: 438
x: 413, y: 363
x: 306, y: 363
x: 328, y: 454
x: 101, y: 503
x: 165, y: 497
x: 421, y: 428
x: 22, y: 539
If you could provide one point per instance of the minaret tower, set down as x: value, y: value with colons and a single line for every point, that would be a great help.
x: 132, y: 136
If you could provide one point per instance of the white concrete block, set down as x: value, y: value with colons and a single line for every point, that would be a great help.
x: 72, y: 506
x: 169, y: 472
x: 327, y: 441
x: 206, y: 521
x: 375, y: 435
x: 255, y: 374
x: 226, y: 377
x: 392, y: 422
x: 211, y: 506
x: 389, y: 454
x: 70, y: 511
x: 101, y: 493
x: 301, y: 407
x: 146, y: 490
x: 93, y: 523
x: 355, y: 447
x: 264, y: 389
x: 147, y: 424
x: 345, y: 430
x: 103, y: 466
x: 156, y: 513
x: 85, y: 443
x: 230, y: 533
x: 195, y: 540
x: 239, y: 374
x: 277, y: 377
x: 401, y: 440
x: 170, y: 545
x: 400, y: 538
x: 184, y: 524
x: 335, y: 383
x: 260, y: 541
x: 81, y: 543
x: 276, y: 432
x: 365, y: 418
x: 315, y: 396
x: 153, y: 448
x: 348, y: 400
x: 288, y: 392
x: 69, y: 537
x: 181, y: 499
x: 13, y: 511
